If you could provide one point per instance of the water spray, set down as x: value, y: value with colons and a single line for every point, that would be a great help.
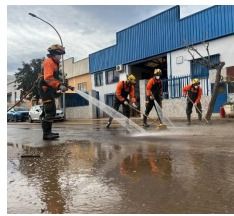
x: 123, y: 120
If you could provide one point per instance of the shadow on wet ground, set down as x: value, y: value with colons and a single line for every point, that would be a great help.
x: 91, y: 169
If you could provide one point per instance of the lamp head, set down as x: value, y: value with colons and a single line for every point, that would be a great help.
x: 31, y: 14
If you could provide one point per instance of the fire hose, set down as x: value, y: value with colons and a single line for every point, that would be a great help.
x: 31, y: 89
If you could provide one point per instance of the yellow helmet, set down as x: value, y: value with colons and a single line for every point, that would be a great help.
x: 196, y: 81
x: 157, y: 72
x: 131, y: 78
x: 56, y: 49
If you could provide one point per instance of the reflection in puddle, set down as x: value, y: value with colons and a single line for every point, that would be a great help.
x: 146, y: 162
x: 119, y: 174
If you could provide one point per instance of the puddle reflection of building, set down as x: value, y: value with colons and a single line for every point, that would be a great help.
x: 45, y: 172
x: 145, y: 162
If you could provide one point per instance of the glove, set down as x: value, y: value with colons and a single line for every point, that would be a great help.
x: 134, y: 105
x: 63, y: 88
x: 125, y: 102
x: 71, y: 88
x: 151, y: 97
x: 44, y: 88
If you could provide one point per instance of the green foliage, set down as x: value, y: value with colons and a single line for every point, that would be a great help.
x: 27, y: 75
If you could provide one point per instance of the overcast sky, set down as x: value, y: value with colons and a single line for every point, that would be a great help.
x: 84, y: 29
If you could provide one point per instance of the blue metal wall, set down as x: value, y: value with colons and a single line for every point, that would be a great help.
x: 163, y: 33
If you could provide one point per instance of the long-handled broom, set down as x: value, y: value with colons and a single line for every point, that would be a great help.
x: 132, y: 107
x: 161, y: 125
x: 197, y: 108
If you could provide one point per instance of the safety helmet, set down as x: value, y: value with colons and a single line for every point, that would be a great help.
x: 157, y: 72
x: 196, y: 81
x: 56, y: 49
x: 131, y: 78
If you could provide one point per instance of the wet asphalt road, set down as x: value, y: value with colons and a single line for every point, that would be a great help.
x: 91, y: 169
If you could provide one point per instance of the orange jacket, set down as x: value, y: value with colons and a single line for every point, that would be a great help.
x: 122, y: 91
x: 50, y: 68
x: 190, y: 88
x: 149, y: 87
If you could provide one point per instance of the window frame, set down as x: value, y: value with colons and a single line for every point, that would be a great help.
x: 98, y: 79
x: 113, y: 72
x: 82, y: 84
x: 107, y: 96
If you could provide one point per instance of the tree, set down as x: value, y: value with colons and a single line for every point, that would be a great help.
x: 206, y: 61
x: 27, y: 76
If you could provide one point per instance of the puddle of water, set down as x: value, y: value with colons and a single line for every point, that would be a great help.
x: 178, y: 170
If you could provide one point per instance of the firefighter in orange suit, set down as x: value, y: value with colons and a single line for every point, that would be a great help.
x: 123, y: 89
x: 48, y: 85
x: 193, y: 93
x: 153, y: 92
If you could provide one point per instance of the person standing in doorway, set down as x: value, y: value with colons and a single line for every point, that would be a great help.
x: 193, y: 93
x: 123, y: 89
x: 153, y: 92
x: 48, y: 85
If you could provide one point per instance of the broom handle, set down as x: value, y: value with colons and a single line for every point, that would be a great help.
x: 157, y: 113
x: 140, y: 112
x: 197, y: 108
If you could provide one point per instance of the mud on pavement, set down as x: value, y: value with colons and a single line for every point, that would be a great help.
x: 91, y: 169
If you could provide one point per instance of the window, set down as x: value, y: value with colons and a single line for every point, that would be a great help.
x: 15, y: 96
x: 112, y: 76
x: 231, y: 88
x: 9, y: 95
x: 82, y: 86
x: 98, y: 79
x: 109, y: 98
x: 198, y: 70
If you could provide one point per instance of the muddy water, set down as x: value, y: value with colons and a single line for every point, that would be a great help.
x: 94, y: 170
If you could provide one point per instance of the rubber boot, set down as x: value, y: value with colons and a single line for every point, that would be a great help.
x: 50, y: 129
x: 46, y: 131
x: 109, y: 122
x: 145, y: 121
x: 189, y: 119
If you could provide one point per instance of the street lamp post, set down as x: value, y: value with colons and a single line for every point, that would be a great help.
x: 63, y: 76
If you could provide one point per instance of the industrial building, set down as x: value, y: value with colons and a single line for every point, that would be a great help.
x: 161, y: 42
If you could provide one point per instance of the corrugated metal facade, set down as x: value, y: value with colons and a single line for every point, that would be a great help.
x: 163, y: 33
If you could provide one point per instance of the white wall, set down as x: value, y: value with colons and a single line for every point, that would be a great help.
x: 222, y: 46
x: 106, y: 88
x: 68, y: 67
x: 11, y: 88
x: 72, y: 69
x: 231, y: 97
x: 83, y: 112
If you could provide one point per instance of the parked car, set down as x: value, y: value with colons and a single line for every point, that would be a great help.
x: 35, y: 114
x: 17, y: 114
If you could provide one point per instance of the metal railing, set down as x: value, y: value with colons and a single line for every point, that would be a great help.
x: 173, y: 87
